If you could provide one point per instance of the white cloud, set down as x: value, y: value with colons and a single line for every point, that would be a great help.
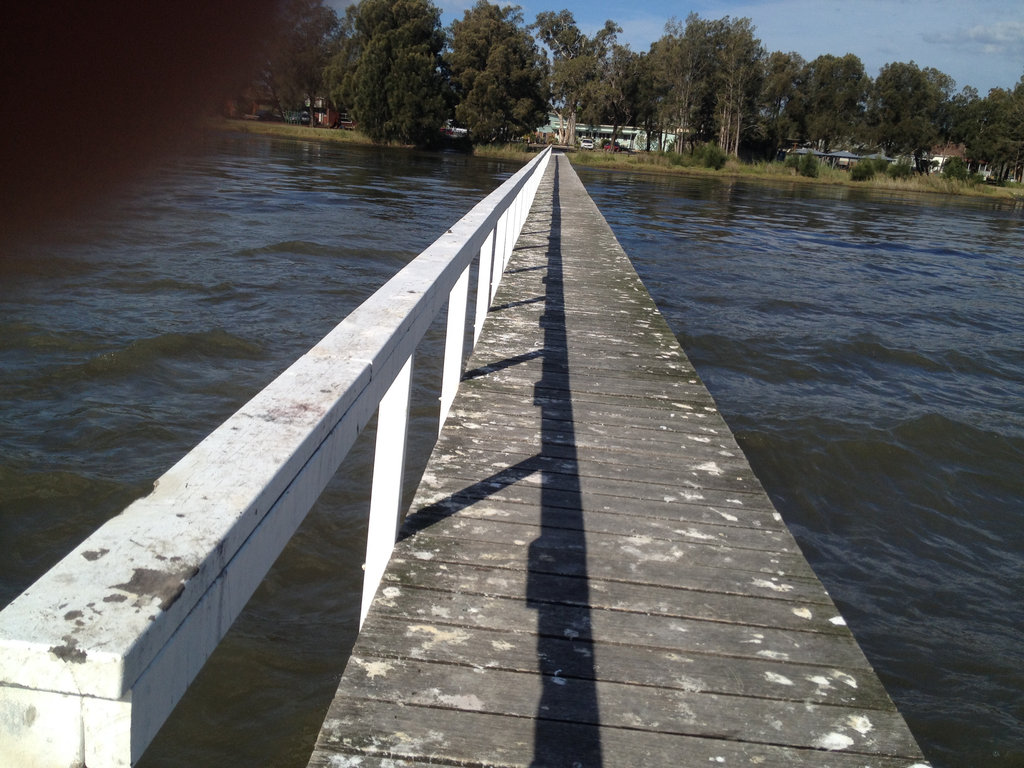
x: 1003, y: 37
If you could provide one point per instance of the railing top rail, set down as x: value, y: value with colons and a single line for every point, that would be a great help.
x: 96, y: 620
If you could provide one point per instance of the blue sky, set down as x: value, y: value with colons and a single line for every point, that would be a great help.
x: 977, y: 42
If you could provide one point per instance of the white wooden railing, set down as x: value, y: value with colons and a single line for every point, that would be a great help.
x: 96, y: 654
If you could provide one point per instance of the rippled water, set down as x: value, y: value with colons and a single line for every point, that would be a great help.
x: 868, y: 350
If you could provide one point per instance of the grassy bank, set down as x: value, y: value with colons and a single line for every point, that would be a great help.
x: 289, y: 131
x: 652, y: 162
x: 656, y: 163
x: 516, y: 153
x: 511, y: 152
x: 644, y: 162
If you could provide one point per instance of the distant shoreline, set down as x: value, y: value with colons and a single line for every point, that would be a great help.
x: 777, y: 172
x: 652, y: 163
x: 288, y: 130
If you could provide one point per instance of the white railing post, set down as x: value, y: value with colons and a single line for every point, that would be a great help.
x: 483, y: 285
x: 506, y: 251
x: 498, y: 265
x: 522, y: 206
x: 454, y: 340
x: 386, y: 489
x: 513, y: 234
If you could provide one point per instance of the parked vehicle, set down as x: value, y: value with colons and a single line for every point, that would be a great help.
x: 587, y: 144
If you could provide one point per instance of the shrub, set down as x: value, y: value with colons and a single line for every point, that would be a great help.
x: 809, y: 166
x: 863, y: 171
x: 900, y: 171
x: 671, y: 157
x: 955, y: 168
x: 805, y: 164
x: 881, y: 165
x: 710, y: 156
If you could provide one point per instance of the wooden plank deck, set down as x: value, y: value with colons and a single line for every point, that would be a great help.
x: 591, y: 574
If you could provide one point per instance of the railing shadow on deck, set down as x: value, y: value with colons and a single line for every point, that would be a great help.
x: 96, y: 654
x: 568, y: 715
x: 568, y: 669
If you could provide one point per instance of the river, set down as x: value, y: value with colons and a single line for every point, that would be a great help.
x: 867, y: 349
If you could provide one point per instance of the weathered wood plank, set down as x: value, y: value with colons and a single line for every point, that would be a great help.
x: 701, y: 469
x: 647, y: 708
x: 494, y: 498
x: 639, y: 555
x: 499, y: 477
x: 640, y: 665
x: 635, y: 521
x: 585, y: 425
x: 415, y: 735
x: 644, y: 569
x: 577, y: 617
x: 711, y: 602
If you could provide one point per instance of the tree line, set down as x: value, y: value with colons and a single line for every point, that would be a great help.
x: 392, y: 66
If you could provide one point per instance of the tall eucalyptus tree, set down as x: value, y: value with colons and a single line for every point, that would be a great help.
x: 712, y: 70
x: 908, y: 109
x: 740, y: 69
x: 684, y: 64
x: 612, y: 97
x: 780, y: 90
x: 993, y: 129
x: 834, y: 96
x: 574, y: 64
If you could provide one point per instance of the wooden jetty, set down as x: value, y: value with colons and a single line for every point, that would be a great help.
x: 590, y: 573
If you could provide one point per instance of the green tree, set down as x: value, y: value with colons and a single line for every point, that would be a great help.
x: 612, y: 97
x: 711, y: 70
x: 740, y: 70
x: 649, y: 96
x: 684, y: 63
x: 806, y: 164
x: 298, y: 53
x: 956, y: 169
x: 944, y: 115
x: 1015, y: 133
x: 574, y: 63
x: 395, y: 86
x: 963, y: 113
x: 497, y: 73
x: 781, y: 118
x: 835, y: 89
x: 992, y: 128
x: 909, y: 109
x: 339, y: 73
